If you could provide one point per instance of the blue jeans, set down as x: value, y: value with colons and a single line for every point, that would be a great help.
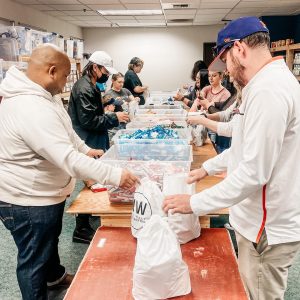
x: 35, y: 230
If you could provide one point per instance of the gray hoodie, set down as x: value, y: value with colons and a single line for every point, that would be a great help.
x: 39, y: 151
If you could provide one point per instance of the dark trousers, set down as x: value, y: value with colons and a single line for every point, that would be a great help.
x: 35, y: 230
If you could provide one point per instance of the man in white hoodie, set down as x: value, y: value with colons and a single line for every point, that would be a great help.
x: 262, y: 186
x: 39, y: 155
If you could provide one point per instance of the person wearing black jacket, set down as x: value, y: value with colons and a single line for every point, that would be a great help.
x: 89, y: 120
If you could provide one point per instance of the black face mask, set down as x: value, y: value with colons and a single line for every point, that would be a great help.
x: 103, y: 78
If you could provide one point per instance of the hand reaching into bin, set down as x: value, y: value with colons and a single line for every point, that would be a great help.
x: 128, y: 180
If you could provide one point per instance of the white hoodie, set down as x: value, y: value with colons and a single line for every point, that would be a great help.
x: 39, y: 150
x: 263, y: 183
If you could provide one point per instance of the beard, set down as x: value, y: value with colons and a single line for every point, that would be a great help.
x: 238, y: 71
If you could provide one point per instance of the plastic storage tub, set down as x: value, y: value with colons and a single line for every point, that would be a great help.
x: 165, y: 111
x: 150, y: 161
x: 161, y: 106
x: 184, y: 138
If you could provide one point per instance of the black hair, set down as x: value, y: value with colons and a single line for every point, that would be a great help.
x: 198, y: 65
x: 88, y: 69
x: 203, y: 78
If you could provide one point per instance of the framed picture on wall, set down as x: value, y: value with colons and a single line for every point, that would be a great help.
x: 208, y: 53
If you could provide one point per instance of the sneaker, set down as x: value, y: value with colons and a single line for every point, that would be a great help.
x: 64, y: 284
x: 83, y: 235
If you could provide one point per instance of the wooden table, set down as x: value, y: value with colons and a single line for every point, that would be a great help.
x: 106, y: 270
x: 119, y: 215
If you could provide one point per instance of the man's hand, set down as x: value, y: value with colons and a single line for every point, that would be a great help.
x: 122, y: 116
x: 128, y: 180
x: 196, y: 175
x: 177, y: 204
x: 178, y: 96
x: 96, y: 153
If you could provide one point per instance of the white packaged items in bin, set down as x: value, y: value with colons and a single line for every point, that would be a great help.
x: 199, y: 135
x: 185, y: 226
x: 147, y: 202
x: 159, y: 270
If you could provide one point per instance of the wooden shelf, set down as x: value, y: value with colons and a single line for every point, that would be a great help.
x: 279, y: 49
x: 286, y: 48
x: 294, y: 46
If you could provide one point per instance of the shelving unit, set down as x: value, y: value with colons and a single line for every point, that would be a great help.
x: 290, y: 54
x: 74, y: 76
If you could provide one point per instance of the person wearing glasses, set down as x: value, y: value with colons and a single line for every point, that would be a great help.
x: 90, y: 122
x: 132, y: 81
x: 262, y: 183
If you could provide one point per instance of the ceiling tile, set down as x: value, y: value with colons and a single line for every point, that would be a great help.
x: 80, y: 12
x: 92, y: 18
x: 143, y: 6
x: 227, y: 4
x: 212, y: 11
x: 180, y: 24
x: 42, y: 7
x: 54, y: 13
x: 100, y: 2
x: 247, y: 11
x: 69, y: 7
x: 208, y: 23
x: 133, y: 21
x: 68, y: 18
x: 171, y: 17
x: 153, y: 18
x: 105, y: 6
x: 201, y: 18
x: 27, y: 1
x: 59, y: 2
x: 152, y: 21
x: 190, y: 2
x: 140, y: 1
x: 190, y: 12
x: 114, y: 18
x: 253, y: 4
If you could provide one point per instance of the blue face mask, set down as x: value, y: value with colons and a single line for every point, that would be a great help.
x: 101, y: 86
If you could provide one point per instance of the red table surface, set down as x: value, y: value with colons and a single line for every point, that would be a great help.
x: 106, y: 272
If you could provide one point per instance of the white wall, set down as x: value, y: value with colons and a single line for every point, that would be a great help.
x: 169, y: 53
x: 24, y: 14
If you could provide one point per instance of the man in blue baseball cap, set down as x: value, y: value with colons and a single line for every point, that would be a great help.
x: 262, y: 184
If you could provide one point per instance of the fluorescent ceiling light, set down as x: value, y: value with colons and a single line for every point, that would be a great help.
x: 130, y: 12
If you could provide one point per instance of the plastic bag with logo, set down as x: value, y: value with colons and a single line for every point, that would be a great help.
x: 147, y: 202
x: 159, y: 271
x: 185, y: 226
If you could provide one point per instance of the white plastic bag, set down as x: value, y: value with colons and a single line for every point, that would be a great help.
x: 199, y: 135
x: 185, y: 226
x: 148, y: 200
x: 159, y: 271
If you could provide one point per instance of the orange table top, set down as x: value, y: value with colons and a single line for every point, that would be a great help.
x: 106, y: 270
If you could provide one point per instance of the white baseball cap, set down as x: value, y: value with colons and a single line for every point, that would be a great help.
x: 101, y: 58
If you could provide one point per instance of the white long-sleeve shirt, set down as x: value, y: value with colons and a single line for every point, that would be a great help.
x: 39, y: 151
x: 262, y: 186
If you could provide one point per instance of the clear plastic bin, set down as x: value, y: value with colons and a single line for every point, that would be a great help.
x: 150, y: 123
x: 165, y: 111
x: 158, y: 118
x: 150, y: 161
x: 184, y: 138
x: 160, y: 106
